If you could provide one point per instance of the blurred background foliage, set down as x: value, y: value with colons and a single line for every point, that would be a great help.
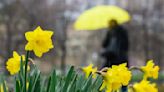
x: 80, y: 47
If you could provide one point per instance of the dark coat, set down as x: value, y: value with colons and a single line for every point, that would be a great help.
x: 116, y: 46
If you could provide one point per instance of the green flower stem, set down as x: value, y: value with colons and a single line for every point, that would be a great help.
x: 26, y: 64
x: 135, y: 68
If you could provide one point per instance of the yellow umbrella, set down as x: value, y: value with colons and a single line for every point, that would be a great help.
x: 98, y: 17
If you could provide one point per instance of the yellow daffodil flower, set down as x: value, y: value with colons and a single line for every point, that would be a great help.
x: 145, y: 86
x: 39, y: 41
x: 13, y: 64
x: 115, y: 77
x: 89, y: 70
x: 150, y: 71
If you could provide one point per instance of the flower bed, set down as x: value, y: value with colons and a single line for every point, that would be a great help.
x: 28, y: 78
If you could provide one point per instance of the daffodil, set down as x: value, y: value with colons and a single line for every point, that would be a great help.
x: 123, y: 72
x: 145, y: 86
x: 13, y: 64
x: 39, y: 41
x: 115, y: 77
x: 150, y: 71
x: 89, y: 70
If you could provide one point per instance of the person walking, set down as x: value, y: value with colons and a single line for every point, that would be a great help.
x: 115, y: 46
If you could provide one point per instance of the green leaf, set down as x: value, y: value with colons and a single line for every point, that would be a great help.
x: 48, y: 85
x: 72, y: 86
x: 42, y: 89
x: 4, y: 87
x: 37, y: 85
x: 53, y: 82
x: 21, y: 67
x: 31, y: 81
x: 60, y: 83
x: 26, y: 64
x: 20, y: 78
x: 87, y: 84
x: 36, y: 82
x: 80, y: 82
x: 97, y: 84
x: 68, y: 79
x: 17, y: 86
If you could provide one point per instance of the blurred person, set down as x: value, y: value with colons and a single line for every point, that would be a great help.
x: 115, y: 46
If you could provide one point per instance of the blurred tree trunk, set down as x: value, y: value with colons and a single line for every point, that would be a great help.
x: 64, y: 34
x: 64, y: 47
x: 63, y: 57
x: 11, y: 15
x: 8, y: 22
x: 146, y: 42
x: 146, y: 33
x: 8, y: 41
